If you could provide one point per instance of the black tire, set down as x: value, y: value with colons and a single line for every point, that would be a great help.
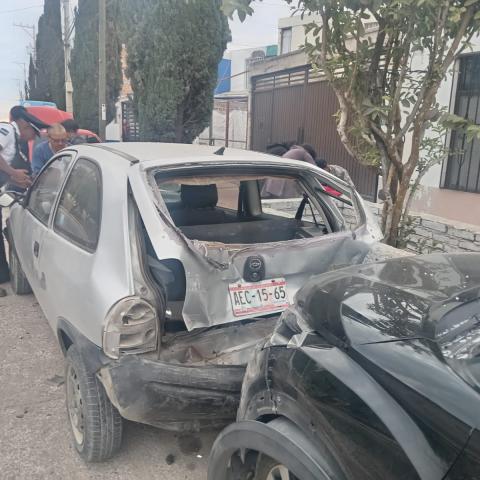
x: 18, y: 280
x: 95, y: 423
x: 251, y: 450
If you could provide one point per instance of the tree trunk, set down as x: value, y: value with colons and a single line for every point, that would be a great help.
x: 391, y: 234
x: 179, y: 125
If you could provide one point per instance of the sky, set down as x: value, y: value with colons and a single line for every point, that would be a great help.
x: 261, y: 28
x: 15, y: 43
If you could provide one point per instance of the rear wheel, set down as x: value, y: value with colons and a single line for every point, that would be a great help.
x: 18, y: 280
x: 96, y: 424
x: 270, y: 469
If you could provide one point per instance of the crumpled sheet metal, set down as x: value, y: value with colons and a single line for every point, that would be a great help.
x: 230, y: 345
x: 207, y: 301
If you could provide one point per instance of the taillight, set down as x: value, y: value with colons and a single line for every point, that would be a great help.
x: 131, y: 326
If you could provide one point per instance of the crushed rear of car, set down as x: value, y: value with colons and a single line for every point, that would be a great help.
x: 226, y: 259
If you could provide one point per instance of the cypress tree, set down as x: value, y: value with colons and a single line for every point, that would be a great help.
x: 32, y: 80
x: 174, y: 47
x: 84, y: 63
x: 50, y: 73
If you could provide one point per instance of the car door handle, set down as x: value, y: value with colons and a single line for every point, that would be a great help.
x: 36, y: 248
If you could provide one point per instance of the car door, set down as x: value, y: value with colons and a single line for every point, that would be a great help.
x: 35, y: 217
x: 70, y: 245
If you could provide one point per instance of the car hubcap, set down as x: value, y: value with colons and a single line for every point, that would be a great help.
x: 75, y: 406
x: 279, y: 472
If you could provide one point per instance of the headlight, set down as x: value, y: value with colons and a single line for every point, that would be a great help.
x: 464, y: 346
x: 131, y: 326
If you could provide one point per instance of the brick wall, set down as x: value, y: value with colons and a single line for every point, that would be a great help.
x: 425, y: 233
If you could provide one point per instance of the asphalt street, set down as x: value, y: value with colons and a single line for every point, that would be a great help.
x: 35, y: 439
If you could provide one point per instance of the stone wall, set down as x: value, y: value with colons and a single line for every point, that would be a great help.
x: 428, y: 234
x: 424, y: 233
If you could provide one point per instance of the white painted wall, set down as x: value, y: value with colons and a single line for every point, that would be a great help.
x: 297, y: 24
x: 238, y: 59
x: 446, y: 99
x: 113, y: 131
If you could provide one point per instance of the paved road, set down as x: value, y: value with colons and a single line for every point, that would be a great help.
x: 34, y: 436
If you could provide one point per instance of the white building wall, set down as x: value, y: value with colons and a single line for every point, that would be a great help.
x: 113, y: 131
x: 446, y: 99
x: 238, y: 82
x: 297, y: 24
x: 431, y: 197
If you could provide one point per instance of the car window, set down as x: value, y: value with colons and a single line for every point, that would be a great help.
x: 45, y: 189
x: 79, y: 210
x: 248, y: 207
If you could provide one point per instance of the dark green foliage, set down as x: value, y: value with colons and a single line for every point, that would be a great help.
x: 50, y: 72
x: 174, y: 47
x: 84, y: 63
x: 31, y: 87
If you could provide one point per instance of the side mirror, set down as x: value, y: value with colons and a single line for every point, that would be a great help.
x: 7, y: 199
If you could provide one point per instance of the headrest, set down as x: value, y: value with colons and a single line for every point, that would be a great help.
x: 199, y: 196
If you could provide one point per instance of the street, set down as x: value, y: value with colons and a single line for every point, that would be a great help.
x: 35, y: 438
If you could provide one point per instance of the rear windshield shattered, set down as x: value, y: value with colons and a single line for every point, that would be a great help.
x: 245, y: 208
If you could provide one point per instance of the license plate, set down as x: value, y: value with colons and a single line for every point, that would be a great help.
x: 262, y: 297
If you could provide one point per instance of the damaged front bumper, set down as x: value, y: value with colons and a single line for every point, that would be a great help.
x: 173, y: 397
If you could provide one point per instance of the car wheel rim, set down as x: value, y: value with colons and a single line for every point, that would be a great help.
x: 75, y: 406
x: 279, y: 472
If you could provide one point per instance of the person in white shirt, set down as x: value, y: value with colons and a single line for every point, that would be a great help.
x: 14, y: 165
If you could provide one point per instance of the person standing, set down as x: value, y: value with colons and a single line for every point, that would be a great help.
x: 14, y: 165
x: 336, y: 170
x: 43, y: 152
x: 287, y: 187
x: 72, y: 127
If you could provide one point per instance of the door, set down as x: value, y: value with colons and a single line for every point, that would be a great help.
x: 32, y: 222
x: 70, y: 245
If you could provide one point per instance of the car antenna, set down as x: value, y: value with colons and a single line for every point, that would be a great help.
x: 219, y: 151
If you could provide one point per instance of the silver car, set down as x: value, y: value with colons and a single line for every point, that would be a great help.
x: 160, y: 267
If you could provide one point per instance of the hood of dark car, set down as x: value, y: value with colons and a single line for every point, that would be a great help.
x: 423, y: 296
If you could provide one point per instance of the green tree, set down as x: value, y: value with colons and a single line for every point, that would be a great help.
x: 387, y: 97
x: 50, y: 61
x: 174, y: 47
x: 31, y: 89
x: 84, y: 62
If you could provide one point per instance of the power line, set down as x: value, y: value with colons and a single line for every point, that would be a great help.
x: 21, y: 9
x: 30, y: 30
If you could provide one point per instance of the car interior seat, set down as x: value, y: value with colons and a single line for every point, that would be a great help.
x: 198, y: 206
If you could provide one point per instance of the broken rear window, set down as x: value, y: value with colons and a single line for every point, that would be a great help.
x: 244, y: 209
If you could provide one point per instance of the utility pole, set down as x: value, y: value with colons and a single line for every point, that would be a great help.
x: 31, y: 32
x: 67, y: 52
x: 102, y: 69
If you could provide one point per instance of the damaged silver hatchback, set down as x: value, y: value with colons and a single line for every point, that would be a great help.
x: 160, y: 267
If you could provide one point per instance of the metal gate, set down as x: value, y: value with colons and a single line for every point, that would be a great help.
x: 130, y: 128
x: 299, y: 105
